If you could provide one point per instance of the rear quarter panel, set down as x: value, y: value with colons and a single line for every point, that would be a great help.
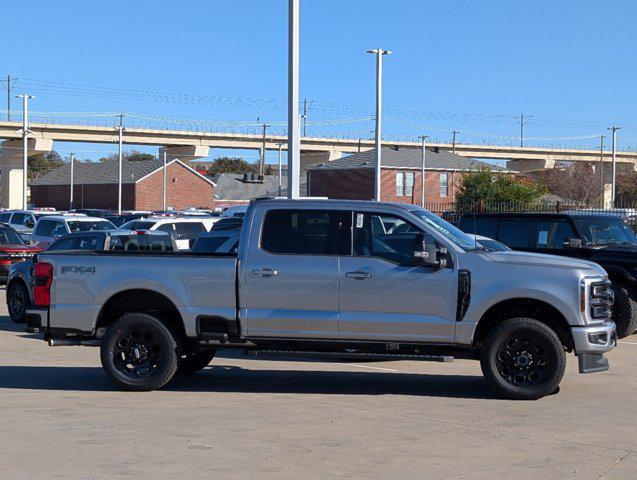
x: 83, y: 283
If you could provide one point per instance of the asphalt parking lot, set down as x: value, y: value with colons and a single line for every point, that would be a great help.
x: 269, y: 419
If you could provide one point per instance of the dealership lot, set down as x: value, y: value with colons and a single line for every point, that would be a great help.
x: 263, y: 418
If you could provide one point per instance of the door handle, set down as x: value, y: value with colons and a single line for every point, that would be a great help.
x: 358, y: 275
x: 265, y: 272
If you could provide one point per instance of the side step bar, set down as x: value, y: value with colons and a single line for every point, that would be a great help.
x: 350, y: 355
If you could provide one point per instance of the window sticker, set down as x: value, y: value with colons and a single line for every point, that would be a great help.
x: 359, y: 220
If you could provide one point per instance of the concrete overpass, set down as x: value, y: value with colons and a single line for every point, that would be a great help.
x: 189, y: 145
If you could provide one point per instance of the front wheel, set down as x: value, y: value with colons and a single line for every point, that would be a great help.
x: 523, y: 359
x: 139, y: 353
x: 624, y: 310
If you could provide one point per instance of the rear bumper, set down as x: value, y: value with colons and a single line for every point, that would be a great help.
x: 36, y: 319
x: 590, y: 345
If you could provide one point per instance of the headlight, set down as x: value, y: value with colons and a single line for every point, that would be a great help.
x: 596, y: 299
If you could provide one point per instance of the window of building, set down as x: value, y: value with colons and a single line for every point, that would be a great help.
x: 301, y: 232
x: 400, y: 184
x: 409, y: 184
x: 444, y: 184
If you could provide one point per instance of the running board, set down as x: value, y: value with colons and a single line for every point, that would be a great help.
x: 351, y: 355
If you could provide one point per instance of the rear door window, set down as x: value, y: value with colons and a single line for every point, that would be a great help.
x: 58, y: 229
x: 301, y: 232
x: 514, y: 233
x: 486, y: 227
x: 87, y: 243
x: 5, y: 217
x: 553, y: 234
x: 190, y: 230
x: 64, y: 244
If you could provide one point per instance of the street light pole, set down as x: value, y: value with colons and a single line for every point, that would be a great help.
x: 294, y: 132
x: 120, y: 132
x: 163, y: 203
x: 422, y: 169
x: 25, y: 145
x: 379, y: 52
x: 613, y: 129
x: 72, y: 156
x: 280, y: 167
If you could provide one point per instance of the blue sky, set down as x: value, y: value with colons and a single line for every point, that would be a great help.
x: 466, y: 65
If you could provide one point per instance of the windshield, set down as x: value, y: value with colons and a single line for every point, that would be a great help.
x: 605, y: 231
x: 8, y: 236
x: 443, y: 227
x: 75, y: 226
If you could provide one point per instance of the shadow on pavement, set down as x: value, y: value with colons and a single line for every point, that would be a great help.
x: 8, y: 325
x: 236, y: 379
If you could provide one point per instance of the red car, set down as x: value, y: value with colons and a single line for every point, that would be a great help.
x: 12, y: 250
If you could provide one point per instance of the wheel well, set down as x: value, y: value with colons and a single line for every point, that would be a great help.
x: 525, y: 307
x: 142, y: 301
x: 16, y: 281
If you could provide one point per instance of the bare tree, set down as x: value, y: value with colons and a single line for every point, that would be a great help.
x: 578, y: 182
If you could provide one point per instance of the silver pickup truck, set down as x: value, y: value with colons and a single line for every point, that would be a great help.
x: 323, y: 277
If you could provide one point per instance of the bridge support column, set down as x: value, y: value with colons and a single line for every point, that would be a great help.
x: 185, y: 153
x: 527, y: 166
x: 11, y: 168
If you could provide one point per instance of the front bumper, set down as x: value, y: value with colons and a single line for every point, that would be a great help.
x: 591, y: 343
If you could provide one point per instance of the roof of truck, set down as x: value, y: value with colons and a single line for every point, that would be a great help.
x: 570, y: 214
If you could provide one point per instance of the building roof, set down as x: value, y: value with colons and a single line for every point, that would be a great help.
x: 410, y: 158
x: 105, y: 172
x: 230, y: 186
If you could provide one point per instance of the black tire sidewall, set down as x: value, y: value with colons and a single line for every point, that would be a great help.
x: 14, y: 287
x: 169, y: 351
x: 500, y: 334
x: 624, y: 310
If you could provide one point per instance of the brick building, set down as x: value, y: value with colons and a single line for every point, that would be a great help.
x: 352, y: 177
x: 95, y: 186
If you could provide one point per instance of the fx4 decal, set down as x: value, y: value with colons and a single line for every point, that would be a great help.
x: 77, y: 270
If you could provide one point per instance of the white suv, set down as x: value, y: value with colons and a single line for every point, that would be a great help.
x: 50, y: 228
x: 184, y: 230
x: 23, y: 221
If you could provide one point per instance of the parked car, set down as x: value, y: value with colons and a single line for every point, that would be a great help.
x: 119, y: 220
x: 220, y: 241
x: 20, y: 281
x: 53, y: 227
x: 184, y: 229
x: 93, y: 212
x: 228, y: 223
x: 319, y: 277
x: 604, y: 239
x: 236, y: 211
x: 13, y: 250
x: 23, y: 221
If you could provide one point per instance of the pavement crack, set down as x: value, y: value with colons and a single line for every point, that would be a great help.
x: 617, y: 462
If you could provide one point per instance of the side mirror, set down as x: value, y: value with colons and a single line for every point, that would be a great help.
x: 427, y: 253
x: 574, y: 243
x: 29, y: 224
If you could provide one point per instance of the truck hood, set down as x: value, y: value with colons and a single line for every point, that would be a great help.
x: 541, y: 260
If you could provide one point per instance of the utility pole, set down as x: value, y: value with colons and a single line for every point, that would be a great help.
x: 422, y: 168
x: 601, y: 168
x: 163, y: 203
x: 379, y: 52
x: 9, y: 86
x: 453, y: 140
x: 72, y: 156
x: 306, y: 107
x: 522, y: 123
x: 613, y: 129
x: 294, y: 140
x: 25, y: 145
x: 280, y: 166
x: 262, y: 159
x: 120, y: 133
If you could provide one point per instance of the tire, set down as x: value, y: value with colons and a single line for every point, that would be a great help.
x: 523, y: 359
x: 18, y: 302
x: 139, y: 353
x: 194, y: 362
x: 624, y: 310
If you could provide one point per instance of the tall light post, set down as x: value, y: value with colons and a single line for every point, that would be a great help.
x: 613, y: 129
x: 25, y: 145
x: 294, y: 132
x: 379, y: 52
x: 163, y: 203
x: 422, y: 168
x: 280, y: 166
x: 120, y: 134
x: 72, y: 157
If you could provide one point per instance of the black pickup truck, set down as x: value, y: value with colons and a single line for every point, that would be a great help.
x: 602, y: 238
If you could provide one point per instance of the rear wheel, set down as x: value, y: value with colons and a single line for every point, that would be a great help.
x: 139, y: 353
x: 17, y: 302
x: 523, y: 359
x: 195, y: 361
x: 624, y: 310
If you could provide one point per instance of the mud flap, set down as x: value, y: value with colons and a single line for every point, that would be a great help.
x: 592, y: 362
